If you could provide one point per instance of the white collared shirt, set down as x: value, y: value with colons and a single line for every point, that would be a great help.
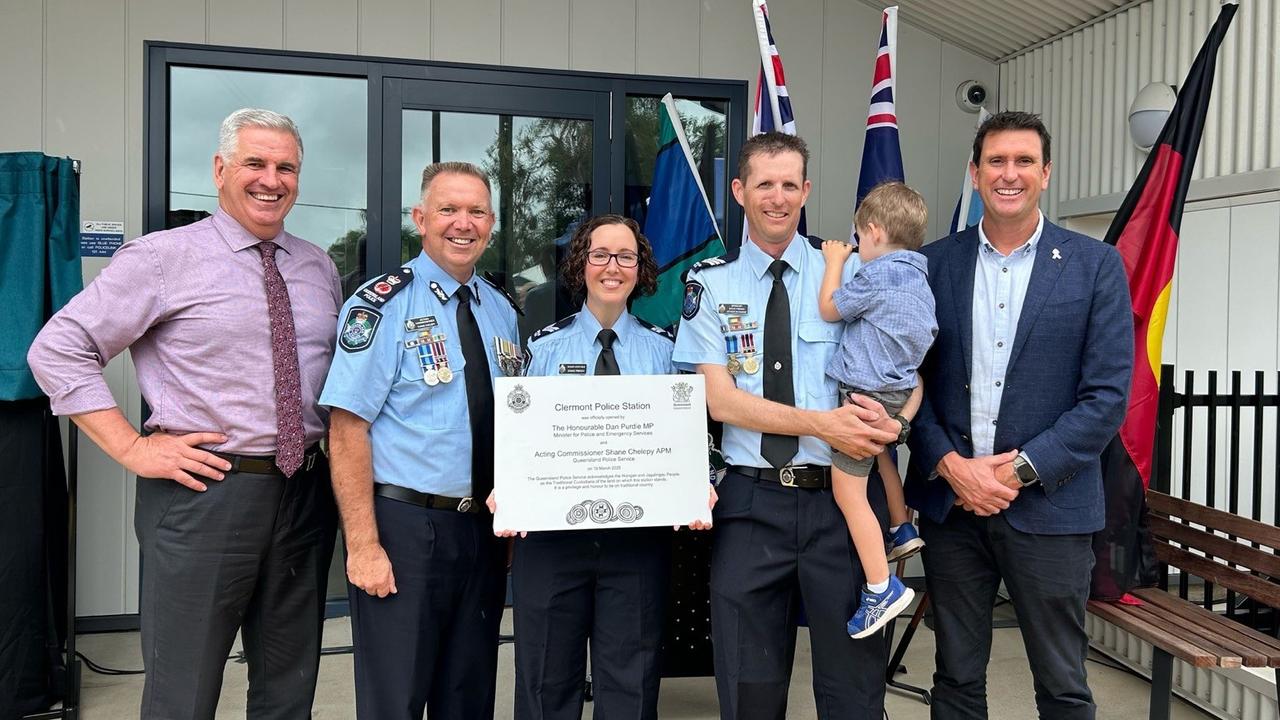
x: 999, y: 286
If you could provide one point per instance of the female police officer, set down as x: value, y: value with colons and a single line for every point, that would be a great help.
x: 610, y: 585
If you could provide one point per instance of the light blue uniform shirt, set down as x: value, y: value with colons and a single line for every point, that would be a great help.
x: 569, y: 347
x: 421, y: 434
x: 999, y: 286
x: 739, y: 287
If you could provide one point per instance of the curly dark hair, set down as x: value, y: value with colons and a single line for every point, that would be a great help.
x: 574, y: 267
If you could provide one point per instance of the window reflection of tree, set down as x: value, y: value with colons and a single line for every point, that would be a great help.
x: 542, y: 172
x: 349, y: 251
x: 704, y: 126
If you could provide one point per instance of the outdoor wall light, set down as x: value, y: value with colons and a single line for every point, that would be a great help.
x: 1148, y: 113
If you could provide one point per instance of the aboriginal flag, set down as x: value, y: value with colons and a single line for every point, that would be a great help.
x: 1145, y: 231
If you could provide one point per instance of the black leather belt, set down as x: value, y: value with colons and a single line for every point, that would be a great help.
x: 266, y: 464
x: 810, y: 477
x: 435, y: 502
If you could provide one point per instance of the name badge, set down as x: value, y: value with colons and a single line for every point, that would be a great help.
x: 732, y: 309
x: 419, y: 324
x: 573, y: 368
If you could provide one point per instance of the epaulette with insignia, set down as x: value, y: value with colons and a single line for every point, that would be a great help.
x: 716, y: 261
x: 554, y: 327
x: 493, y: 282
x: 814, y: 241
x: 379, y: 290
x: 654, y: 328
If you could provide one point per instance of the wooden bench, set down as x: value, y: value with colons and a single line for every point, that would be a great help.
x: 1177, y: 628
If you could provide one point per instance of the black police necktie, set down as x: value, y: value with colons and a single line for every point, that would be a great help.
x: 479, y: 396
x: 606, y: 363
x: 778, y: 384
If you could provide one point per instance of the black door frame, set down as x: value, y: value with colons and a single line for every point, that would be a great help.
x: 401, y: 94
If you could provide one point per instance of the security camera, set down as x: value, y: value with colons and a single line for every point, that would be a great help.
x: 970, y: 95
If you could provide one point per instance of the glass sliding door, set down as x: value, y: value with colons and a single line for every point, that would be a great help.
x: 546, y: 152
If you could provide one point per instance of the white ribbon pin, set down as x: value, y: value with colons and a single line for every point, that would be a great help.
x: 1055, y: 254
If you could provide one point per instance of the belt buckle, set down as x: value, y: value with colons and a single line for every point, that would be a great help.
x: 787, y: 476
x: 464, y: 504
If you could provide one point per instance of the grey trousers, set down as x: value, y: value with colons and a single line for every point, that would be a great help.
x: 251, y: 553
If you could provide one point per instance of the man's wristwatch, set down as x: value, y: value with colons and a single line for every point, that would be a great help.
x: 1027, y: 474
x: 905, y: 432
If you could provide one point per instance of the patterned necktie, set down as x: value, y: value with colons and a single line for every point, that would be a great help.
x: 290, y: 435
x: 479, y: 395
x: 606, y: 363
x: 778, y: 383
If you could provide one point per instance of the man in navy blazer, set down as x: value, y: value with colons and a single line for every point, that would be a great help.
x: 1023, y: 388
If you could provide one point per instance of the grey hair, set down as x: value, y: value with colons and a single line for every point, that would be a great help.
x: 229, y: 133
x: 431, y: 171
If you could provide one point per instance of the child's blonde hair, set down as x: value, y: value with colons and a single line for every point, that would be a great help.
x: 898, y: 210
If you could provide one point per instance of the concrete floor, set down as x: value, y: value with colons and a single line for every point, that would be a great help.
x: 1120, y: 696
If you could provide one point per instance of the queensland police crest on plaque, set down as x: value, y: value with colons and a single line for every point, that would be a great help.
x: 518, y: 399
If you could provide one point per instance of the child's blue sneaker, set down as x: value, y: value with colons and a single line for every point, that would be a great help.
x: 875, y: 610
x: 904, y: 543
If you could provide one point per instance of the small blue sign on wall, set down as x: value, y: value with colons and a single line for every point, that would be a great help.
x: 100, y: 238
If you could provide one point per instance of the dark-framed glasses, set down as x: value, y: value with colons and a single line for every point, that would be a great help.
x: 601, y: 258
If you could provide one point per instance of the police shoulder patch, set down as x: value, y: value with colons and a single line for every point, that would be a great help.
x: 379, y: 290
x: 554, y: 327
x: 655, y: 329
x: 692, y: 299
x: 493, y: 283
x: 359, y: 328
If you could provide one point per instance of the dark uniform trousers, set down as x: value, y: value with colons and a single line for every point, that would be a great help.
x: 434, y: 643
x: 251, y: 553
x: 1048, y: 580
x: 606, y: 586
x: 773, y: 547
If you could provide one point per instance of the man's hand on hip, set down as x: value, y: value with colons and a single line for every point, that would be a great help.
x: 177, y: 458
x: 975, y: 483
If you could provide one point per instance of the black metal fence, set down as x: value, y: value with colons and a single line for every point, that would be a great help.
x: 1202, y: 439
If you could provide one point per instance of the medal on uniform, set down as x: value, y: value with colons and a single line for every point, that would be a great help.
x: 731, y: 351
x: 508, y: 356
x: 429, y: 374
x: 441, y: 357
x: 751, y: 364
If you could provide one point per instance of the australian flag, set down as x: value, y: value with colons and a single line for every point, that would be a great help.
x: 773, y: 102
x: 881, y: 153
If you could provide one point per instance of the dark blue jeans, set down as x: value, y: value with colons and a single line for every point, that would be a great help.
x: 1048, y: 581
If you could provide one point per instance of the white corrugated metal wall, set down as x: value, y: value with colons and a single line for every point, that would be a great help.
x: 1082, y: 84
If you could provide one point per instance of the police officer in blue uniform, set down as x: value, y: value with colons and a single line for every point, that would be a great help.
x: 605, y: 586
x: 411, y: 447
x: 751, y: 326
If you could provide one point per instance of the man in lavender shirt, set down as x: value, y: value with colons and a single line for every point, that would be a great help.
x: 230, y: 322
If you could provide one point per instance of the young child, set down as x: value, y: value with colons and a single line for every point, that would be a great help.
x: 890, y: 324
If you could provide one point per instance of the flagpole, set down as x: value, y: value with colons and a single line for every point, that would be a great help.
x: 766, y: 61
